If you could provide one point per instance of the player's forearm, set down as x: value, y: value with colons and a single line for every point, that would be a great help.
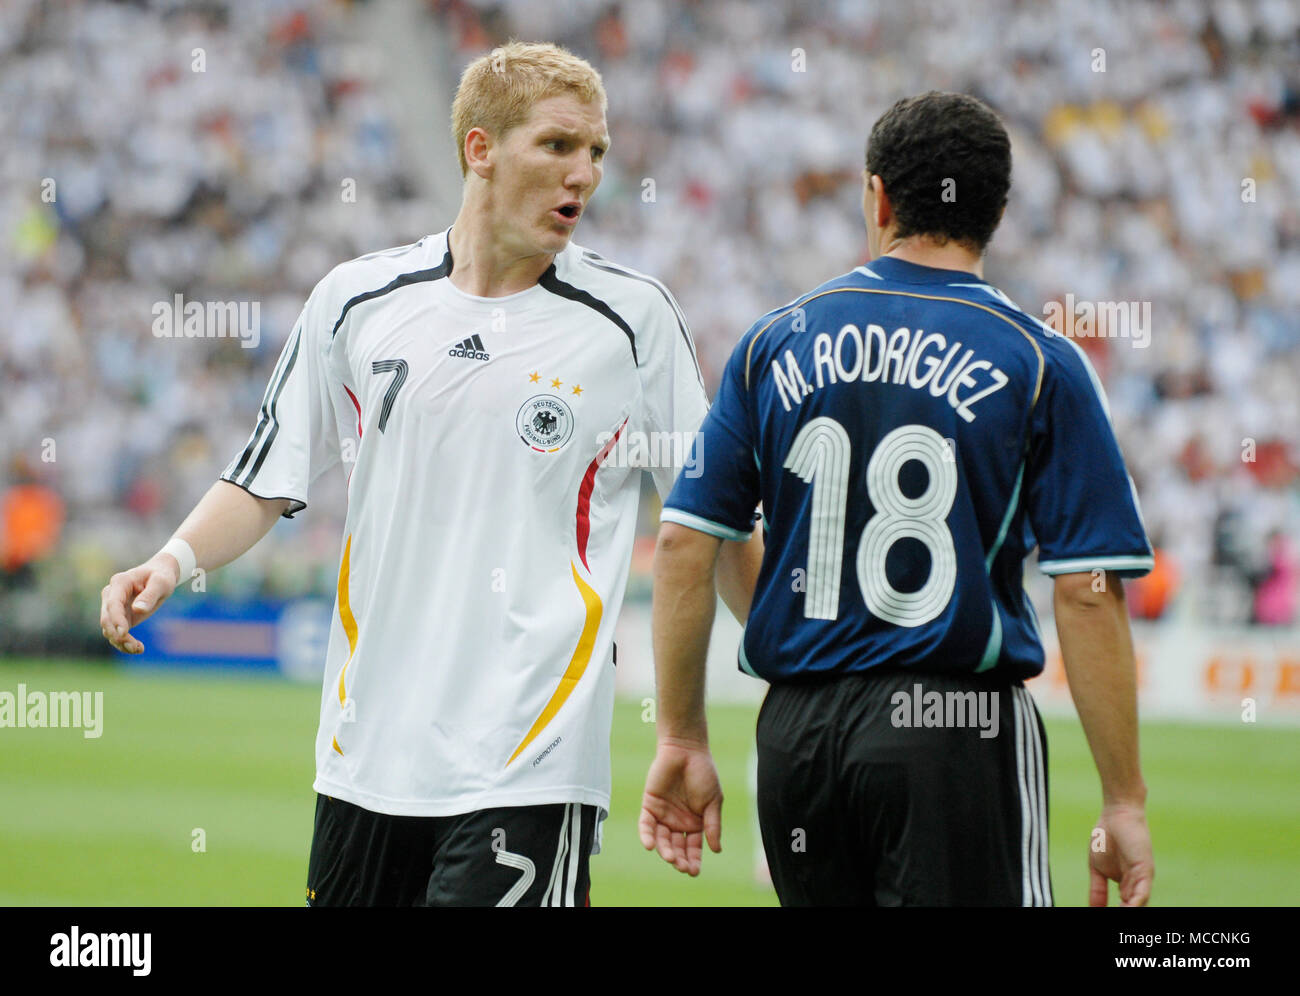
x: 1097, y: 648
x: 737, y: 575
x: 226, y: 523
x: 682, y: 618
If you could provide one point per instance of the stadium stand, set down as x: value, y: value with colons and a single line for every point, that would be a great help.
x: 1157, y: 161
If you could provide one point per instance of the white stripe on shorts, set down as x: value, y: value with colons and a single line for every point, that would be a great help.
x: 1035, y: 883
x: 552, y: 896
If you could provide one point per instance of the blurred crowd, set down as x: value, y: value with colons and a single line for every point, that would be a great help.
x: 200, y: 149
x: 1156, y: 160
x: 221, y: 151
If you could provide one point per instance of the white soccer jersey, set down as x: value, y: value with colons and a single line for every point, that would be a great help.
x: 490, y: 519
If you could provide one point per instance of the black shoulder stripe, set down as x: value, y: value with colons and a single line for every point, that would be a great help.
x: 600, y: 263
x: 557, y: 286
x: 402, y: 280
x: 264, y: 412
x: 267, y: 418
x: 295, y: 505
x: 268, y: 425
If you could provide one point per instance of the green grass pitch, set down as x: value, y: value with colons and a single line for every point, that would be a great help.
x: 111, y: 821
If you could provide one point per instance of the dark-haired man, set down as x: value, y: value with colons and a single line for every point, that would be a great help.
x: 911, y: 434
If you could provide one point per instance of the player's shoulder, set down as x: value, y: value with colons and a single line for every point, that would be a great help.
x: 375, y: 273
x: 984, y: 295
x: 773, y: 329
x: 791, y: 318
x: 1063, y: 359
x: 642, y: 299
x: 1061, y: 354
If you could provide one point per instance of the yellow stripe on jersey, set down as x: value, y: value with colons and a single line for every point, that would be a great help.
x: 349, y: 624
x: 577, y: 663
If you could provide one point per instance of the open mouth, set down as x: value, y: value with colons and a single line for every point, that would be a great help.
x: 567, y: 214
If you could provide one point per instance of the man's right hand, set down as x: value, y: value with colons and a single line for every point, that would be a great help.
x: 681, y: 805
x: 1122, y: 854
x: 133, y: 596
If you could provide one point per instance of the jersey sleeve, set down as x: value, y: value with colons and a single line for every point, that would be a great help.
x: 672, y: 389
x: 1082, y: 504
x: 718, y: 492
x: 295, y: 439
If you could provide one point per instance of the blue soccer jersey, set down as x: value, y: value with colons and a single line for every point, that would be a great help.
x: 910, y: 433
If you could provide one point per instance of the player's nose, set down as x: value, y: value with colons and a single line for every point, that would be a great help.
x: 582, y: 173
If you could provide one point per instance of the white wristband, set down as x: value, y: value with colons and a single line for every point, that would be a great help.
x: 184, y: 555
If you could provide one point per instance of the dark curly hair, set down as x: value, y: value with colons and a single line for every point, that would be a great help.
x: 938, y: 144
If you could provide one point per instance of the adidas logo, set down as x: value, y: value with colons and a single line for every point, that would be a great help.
x: 470, y: 349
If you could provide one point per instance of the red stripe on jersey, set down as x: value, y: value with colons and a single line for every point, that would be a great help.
x: 356, y: 404
x: 584, y: 495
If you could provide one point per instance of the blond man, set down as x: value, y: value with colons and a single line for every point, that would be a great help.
x: 488, y: 379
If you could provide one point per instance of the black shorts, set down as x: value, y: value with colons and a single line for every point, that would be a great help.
x: 864, y: 800
x: 513, y: 856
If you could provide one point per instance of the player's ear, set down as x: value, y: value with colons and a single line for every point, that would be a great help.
x: 478, y: 152
x: 883, y: 209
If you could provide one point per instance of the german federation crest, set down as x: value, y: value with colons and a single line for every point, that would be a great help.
x: 545, y: 423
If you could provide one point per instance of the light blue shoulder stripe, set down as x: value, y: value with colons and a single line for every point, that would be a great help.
x: 702, y: 525
x: 1081, y: 565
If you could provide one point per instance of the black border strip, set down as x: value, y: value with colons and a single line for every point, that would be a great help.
x: 401, y: 280
x: 599, y: 262
x: 555, y: 285
x: 268, y: 417
x: 288, y: 513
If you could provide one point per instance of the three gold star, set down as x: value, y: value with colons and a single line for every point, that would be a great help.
x: 535, y: 376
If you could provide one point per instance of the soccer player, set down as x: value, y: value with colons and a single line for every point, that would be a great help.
x: 486, y: 379
x: 911, y: 434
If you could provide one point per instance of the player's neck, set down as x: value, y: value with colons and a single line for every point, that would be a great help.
x: 485, y: 265
x: 925, y: 252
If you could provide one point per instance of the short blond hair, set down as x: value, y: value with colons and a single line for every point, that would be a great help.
x: 497, y: 91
